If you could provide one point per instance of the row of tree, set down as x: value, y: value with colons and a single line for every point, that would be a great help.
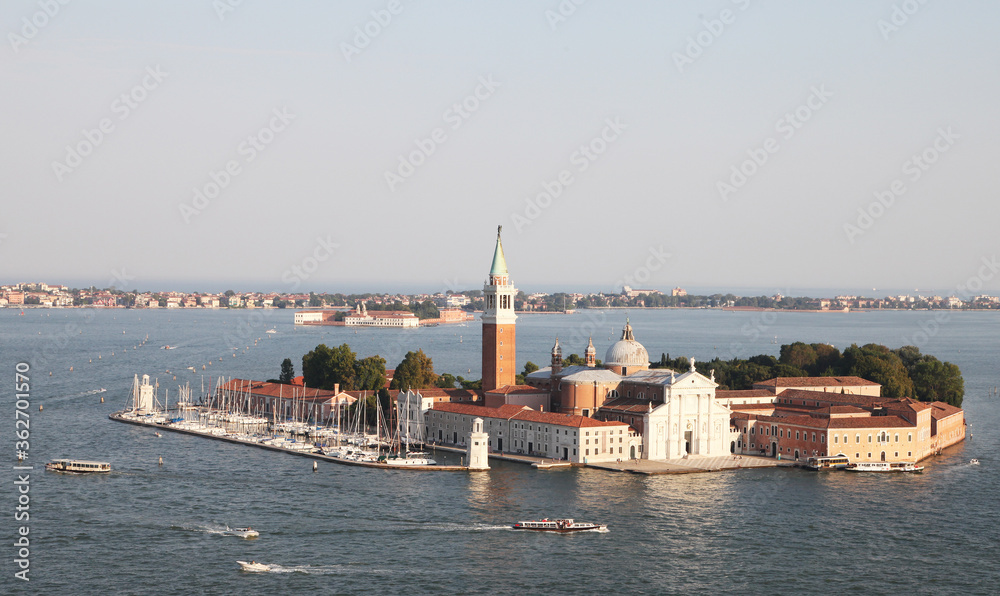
x: 903, y: 372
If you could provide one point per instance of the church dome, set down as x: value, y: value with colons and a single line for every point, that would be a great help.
x: 626, y: 351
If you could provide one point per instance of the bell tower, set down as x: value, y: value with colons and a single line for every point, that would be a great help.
x: 499, y: 337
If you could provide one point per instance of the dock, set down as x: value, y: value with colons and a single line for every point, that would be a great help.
x: 316, y: 456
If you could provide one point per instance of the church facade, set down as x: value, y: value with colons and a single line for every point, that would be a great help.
x: 676, y: 415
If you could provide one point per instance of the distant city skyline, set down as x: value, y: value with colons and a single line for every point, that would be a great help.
x: 375, y: 146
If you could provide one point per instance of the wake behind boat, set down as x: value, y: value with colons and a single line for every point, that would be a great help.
x: 559, y: 525
x: 254, y: 566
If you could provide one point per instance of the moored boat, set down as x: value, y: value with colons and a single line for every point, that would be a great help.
x: 559, y: 525
x: 884, y: 466
x: 75, y: 466
x: 834, y: 462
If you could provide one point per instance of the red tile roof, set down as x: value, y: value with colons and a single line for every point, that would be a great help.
x: 277, y: 390
x: 523, y: 413
x: 738, y: 393
x: 943, y: 410
x: 509, y: 389
x: 816, y: 382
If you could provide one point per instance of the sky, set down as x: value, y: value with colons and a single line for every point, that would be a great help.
x: 350, y: 146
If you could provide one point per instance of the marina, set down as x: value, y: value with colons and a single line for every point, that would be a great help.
x: 294, y: 437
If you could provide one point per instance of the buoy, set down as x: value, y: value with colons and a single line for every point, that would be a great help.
x: 39, y: 407
x: 71, y: 369
x: 50, y: 373
x: 161, y: 460
x: 202, y: 367
x: 102, y: 400
x: 315, y: 466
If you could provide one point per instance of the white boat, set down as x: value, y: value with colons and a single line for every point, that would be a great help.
x: 410, y: 459
x: 973, y: 462
x: 247, y: 532
x: 271, y: 330
x: 559, y: 525
x: 254, y: 566
x: 76, y: 466
x: 884, y: 466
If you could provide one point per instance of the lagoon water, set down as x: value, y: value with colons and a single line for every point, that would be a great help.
x: 157, y: 529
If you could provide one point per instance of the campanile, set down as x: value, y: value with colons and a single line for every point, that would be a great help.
x: 499, y: 336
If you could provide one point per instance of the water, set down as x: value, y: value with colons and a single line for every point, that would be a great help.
x: 160, y: 529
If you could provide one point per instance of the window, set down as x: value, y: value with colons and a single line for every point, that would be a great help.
x: 781, y: 433
x: 909, y: 437
x: 869, y: 440
x: 796, y: 435
x: 752, y: 430
x: 588, y: 452
x: 814, y: 437
x: 857, y: 438
x: 822, y: 438
x: 834, y: 439
x: 896, y: 438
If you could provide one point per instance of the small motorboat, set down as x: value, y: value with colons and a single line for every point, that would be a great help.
x: 158, y: 434
x: 254, y: 566
x: 247, y: 532
x: 973, y: 462
x: 559, y: 525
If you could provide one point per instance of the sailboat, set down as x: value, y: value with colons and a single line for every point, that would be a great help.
x: 405, y: 457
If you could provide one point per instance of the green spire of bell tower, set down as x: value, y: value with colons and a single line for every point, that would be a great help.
x: 499, y: 262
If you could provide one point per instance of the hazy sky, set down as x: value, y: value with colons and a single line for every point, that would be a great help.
x: 378, y: 144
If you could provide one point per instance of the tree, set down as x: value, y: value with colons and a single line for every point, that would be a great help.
x: 879, y: 364
x: 369, y: 373
x: 230, y: 293
x: 287, y: 371
x: 529, y: 367
x: 324, y: 367
x: 315, y: 300
x: 446, y: 381
x: 799, y: 355
x: 416, y: 371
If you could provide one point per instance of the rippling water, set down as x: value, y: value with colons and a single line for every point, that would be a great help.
x: 148, y: 528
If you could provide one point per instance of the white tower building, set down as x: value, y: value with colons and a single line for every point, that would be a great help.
x: 478, y: 446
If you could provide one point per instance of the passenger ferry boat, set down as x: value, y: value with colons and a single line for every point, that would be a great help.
x: 833, y: 462
x: 559, y: 525
x: 75, y: 466
x: 884, y: 466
